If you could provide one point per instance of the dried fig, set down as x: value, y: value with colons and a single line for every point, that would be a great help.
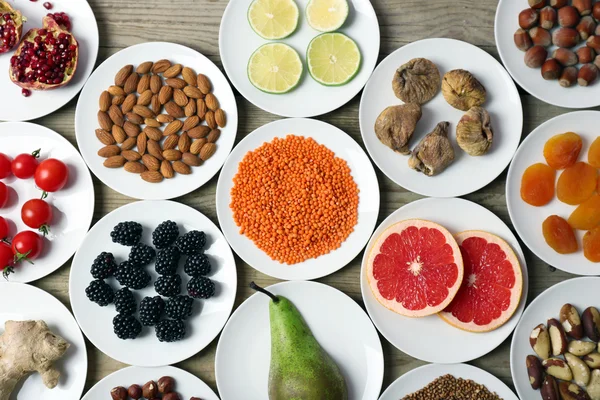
x: 434, y: 152
x: 462, y: 90
x: 417, y: 81
x: 396, y: 124
x: 474, y: 132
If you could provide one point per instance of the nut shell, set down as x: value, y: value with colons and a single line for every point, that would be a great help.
x: 587, y: 75
x: 135, y: 391
x: 462, y: 90
x: 522, y: 40
x: 548, y: 17
x: 528, y: 18
x: 551, y: 69
x: 568, y: 17
x: 565, y: 37
x: 150, y: 389
x: 417, y: 81
x: 540, y: 36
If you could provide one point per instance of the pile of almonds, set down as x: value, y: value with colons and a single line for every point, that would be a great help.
x: 565, y: 24
x: 163, y: 389
x: 158, y: 120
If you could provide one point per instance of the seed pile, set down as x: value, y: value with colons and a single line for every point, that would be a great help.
x: 294, y: 199
x: 448, y: 387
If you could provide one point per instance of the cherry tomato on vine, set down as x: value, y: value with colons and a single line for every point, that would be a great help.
x: 6, y: 259
x: 24, y: 165
x: 37, y: 214
x: 3, y: 229
x: 4, y: 166
x: 51, y: 175
x: 3, y: 194
x: 27, y: 245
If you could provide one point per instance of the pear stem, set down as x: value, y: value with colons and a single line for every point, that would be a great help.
x: 259, y: 289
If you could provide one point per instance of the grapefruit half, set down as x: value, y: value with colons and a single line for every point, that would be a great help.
x: 492, y: 284
x: 415, y: 268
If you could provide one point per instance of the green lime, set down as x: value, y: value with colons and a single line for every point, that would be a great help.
x: 273, y: 19
x: 326, y: 15
x: 333, y: 59
x: 275, y: 68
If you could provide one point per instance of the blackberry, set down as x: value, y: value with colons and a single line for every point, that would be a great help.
x: 179, y: 307
x: 191, y: 243
x: 100, y: 293
x: 167, y: 261
x: 104, y: 266
x: 151, y: 309
x: 132, y: 276
x: 125, y: 302
x: 141, y: 254
x: 197, y: 265
x: 127, y: 233
x: 168, y: 285
x: 169, y: 330
x: 201, y: 288
x: 126, y: 326
x: 165, y: 234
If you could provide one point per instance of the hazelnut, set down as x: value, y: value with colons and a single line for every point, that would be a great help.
x: 540, y: 37
x: 597, y: 61
x: 535, y: 56
x: 150, y: 390
x: 528, y: 18
x: 597, y: 31
x: 594, y: 43
x: 166, y: 384
x: 135, y: 392
x: 586, y: 55
x: 523, y: 40
x: 558, y: 3
x: 568, y: 77
x: 548, y: 17
x: 119, y: 393
x: 587, y: 75
x: 171, y: 396
x: 551, y: 69
x: 565, y: 37
x: 586, y: 27
x: 536, y: 3
x: 596, y: 11
x: 583, y: 6
x: 568, y: 17
x: 195, y: 398
x: 565, y: 57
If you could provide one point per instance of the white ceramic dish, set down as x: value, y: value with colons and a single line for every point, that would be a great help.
x: 527, y: 219
x: 340, y: 326
x: 420, y: 377
x: 445, y: 344
x: 86, y: 121
x: 15, y: 107
x: 209, y: 315
x: 237, y: 42
x: 362, y: 171
x: 580, y: 292
x: 73, y: 206
x: 530, y: 79
x: 187, y: 385
x: 30, y: 303
x: 466, y: 174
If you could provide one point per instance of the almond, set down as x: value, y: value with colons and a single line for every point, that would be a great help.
x: 207, y: 151
x: 143, y: 111
x: 165, y: 94
x: 128, y: 144
x: 174, y: 110
x: 164, y: 118
x: 193, y: 92
x: 201, y: 108
x: 119, y: 134
x: 172, y: 155
x: 152, y: 176
x: 151, y: 162
x: 191, y: 122
x: 131, y: 83
x: 104, y: 121
x: 128, y: 103
x: 199, y: 132
x: 114, y: 162
x: 109, y: 151
x: 152, y: 122
x: 170, y: 142
x: 190, y: 109
x: 143, y: 84
x: 144, y: 67
x: 184, y: 143
x: 176, y: 83
x: 213, y: 136
x: 173, y: 71
x: 166, y: 169
x: 153, y: 148
x: 116, y: 115
x: 191, y: 159
x: 123, y: 74
x: 142, y: 141
x: 105, y: 137
x: 180, y: 98
x: 131, y: 129
x: 211, y: 102
x: 173, y: 127
x: 118, y: 100
x: 189, y: 76
x: 131, y: 155
x: 210, y: 119
x: 145, y: 97
x: 155, y: 84
x: 181, y: 168
x: 153, y: 133
x: 155, y: 104
x: 105, y: 101
x: 135, y: 118
x: 197, y: 145
x: 135, y: 167
x: 204, y: 84
x: 220, y: 118
x: 161, y: 66
x: 116, y: 91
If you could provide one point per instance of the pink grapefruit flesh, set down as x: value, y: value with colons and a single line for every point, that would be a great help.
x: 415, y: 268
x: 492, y: 284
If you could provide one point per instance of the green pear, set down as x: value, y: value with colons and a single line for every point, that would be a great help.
x: 300, y: 368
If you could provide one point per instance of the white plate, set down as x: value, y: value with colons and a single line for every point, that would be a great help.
x: 420, y: 377
x: 209, y: 315
x: 466, y: 174
x: 86, y: 121
x: 362, y: 171
x: 581, y: 292
x: 340, y: 326
x: 186, y: 384
x: 73, y: 206
x: 530, y: 79
x: 15, y: 107
x: 237, y: 42
x: 528, y: 219
x: 445, y: 344
x: 30, y: 303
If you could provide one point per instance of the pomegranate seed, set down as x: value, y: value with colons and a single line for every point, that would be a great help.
x: 26, y: 92
x: 48, y: 5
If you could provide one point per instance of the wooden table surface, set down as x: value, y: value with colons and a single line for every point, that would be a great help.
x: 195, y: 23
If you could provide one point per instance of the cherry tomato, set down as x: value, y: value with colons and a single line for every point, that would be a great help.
x: 6, y: 259
x: 4, y: 166
x: 3, y: 194
x: 24, y: 165
x: 37, y: 214
x: 51, y: 175
x: 27, y: 245
x: 3, y: 229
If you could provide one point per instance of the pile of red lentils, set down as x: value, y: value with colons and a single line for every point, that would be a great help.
x: 294, y: 199
x: 448, y: 387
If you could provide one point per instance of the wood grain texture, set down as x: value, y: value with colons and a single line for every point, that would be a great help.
x: 196, y: 24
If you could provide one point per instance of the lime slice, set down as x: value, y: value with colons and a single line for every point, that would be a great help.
x: 275, y: 68
x: 326, y: 15
x: 333, y: 59
x: 273, y: 19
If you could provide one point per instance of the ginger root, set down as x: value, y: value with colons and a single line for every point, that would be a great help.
x: 25, y: 347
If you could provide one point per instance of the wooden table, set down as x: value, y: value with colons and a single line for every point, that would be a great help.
x: 195, y: 23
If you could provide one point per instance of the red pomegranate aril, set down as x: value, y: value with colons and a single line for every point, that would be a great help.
x: 26, y: 92
x: 11, y: 25
x: 48, y: 5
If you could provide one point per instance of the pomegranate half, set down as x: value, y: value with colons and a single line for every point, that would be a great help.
x: 11, y: 27
x: 46, y: 59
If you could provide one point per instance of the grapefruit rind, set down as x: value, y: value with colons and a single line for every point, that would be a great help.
x: 394, y: 305
x: 515, y: 295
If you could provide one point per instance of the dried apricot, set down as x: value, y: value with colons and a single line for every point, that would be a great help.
x: 559, y: 235
x: 594, y: 153
x: 577, y: 183
x: 537, y: 185
x: 591, y: 245
x: 587, y: 215
x: 561, y: 151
